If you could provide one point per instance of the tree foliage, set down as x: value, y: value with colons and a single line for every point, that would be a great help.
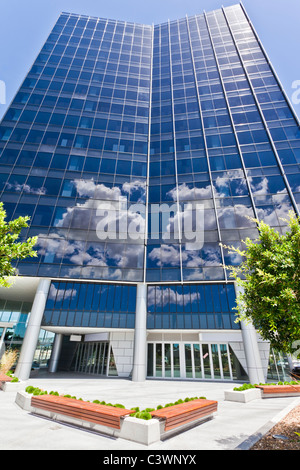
x: 269, y: 276
x: 10, y: 248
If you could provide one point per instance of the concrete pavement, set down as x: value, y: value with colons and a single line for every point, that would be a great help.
x: 237, y: 426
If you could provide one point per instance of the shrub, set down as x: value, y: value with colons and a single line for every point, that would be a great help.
x: 135, y: 408
x: 179, y: 401
x: 243, y: 387
x: 10, y: 374
x: 142, y: 415
x: 7, y: 360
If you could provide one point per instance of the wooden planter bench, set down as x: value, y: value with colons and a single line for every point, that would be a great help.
x: 279, y: 390
x: 99, y: 414
x: 5, y: 378
x: 118, y: 422
x: 186, y: 413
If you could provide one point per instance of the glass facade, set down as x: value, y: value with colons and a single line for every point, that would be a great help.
x: 198, y: 361
x: 78, y: 304
x: 75, y: 135
x: 128, y: 115
x: 199, y: 91
x: 16, y: 313
x: 191, y: 306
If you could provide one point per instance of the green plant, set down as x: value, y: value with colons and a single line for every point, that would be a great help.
x: 142, y: 415
x: 268, y: 273
x: 135, y: 408
x: 10, y: 374
x: 179, y: 401
x: 10, y: 248
x: 243, y: 387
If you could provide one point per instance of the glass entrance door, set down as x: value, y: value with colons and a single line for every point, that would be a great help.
x: 191, y: 361
x: 163, y: 360
x: 92, y: 358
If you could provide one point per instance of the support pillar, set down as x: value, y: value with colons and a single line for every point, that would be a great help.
x: 56, y: 349
x: 2, y: 341
x: 253, y: 359
x: 4, y: 325
x: 139, y: 371
x: 32, y: 331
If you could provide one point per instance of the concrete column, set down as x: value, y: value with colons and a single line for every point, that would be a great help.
x: 32, y: 331
x: 2, y: 341
x: 139, y: 371
x: 56, y: 349
x: 253, y: 359
x: 4, y: 325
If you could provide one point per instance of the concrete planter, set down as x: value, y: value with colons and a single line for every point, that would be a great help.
x: 132, y: 429
x: 243, y: 396
x: 11, y: 386
x: 23, y: 400
x: 140, y: 430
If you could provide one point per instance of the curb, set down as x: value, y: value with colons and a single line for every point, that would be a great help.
x: 251, y: 440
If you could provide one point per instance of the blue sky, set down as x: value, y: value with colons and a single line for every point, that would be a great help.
x: 25, y: 25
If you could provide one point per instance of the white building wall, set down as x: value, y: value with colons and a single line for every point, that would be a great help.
x: 122, y: 346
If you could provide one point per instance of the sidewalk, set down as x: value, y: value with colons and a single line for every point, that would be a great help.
x: 237, y: 426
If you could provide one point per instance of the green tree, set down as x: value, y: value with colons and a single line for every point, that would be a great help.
x: 269, y: 275
x: 10, y: 248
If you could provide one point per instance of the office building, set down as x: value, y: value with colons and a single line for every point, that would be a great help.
x: 137, y: 150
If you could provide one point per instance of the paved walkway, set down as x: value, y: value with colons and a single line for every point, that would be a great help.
x: 236, y: 425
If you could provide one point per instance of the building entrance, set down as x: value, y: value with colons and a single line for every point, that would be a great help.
x: 92, y: 358
x: 193, y: 361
